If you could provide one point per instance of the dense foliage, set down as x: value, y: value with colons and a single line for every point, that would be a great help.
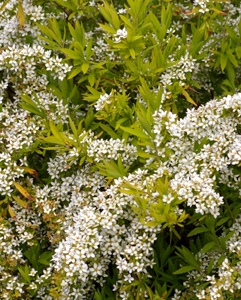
x: 120, y: 149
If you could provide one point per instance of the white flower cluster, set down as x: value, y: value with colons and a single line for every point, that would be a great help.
x: 112, y: 150
x: 12, y: 237
x: 204, y: 144
x: 120, y: 34
x: 11, y: 31
x: 96, y: 234
x: 202, y: 4
x: 15, y: 59
x: 234, y: 243
x: 105, y: 99
x: 178, y: 71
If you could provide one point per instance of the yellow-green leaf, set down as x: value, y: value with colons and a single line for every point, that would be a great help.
x: 4, y: 4
x: 73, y: 128
x: 23, y: 191
x: 11, y: 212
x: 137, y: 132
x: 85, y: 67
x: 75, y: 72
x: 20, y: 14
x: 21, y: 202
x: 189, y: 99
x: 218, y: 11
x: 52, y: 140
x: 30, y: 171
x: 132, y: 53
x: 56, y: 133
x: 91, y: 79
x: 223, y: 59
x: 108, y: 28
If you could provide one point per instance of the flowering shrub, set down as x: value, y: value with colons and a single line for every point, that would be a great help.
x: 120, y: 149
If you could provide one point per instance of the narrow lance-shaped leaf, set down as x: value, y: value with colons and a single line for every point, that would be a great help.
x: 208, y: 247
x: 136, y: 132
x: 4, y: 4
x: 183, y: 270
x: 56, y: 29
x: 30, y: 171
x: 52, y: 140
x: 11, y: 212
x: 189, y: 99
x: 197, y: 230
x: 58, y: 135
x: 20, y: 14
x: 23, y: 191
x: 73, y: 128
x: 85, y: 67
x: 21, y: 202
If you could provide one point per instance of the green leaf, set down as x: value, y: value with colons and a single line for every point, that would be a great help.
x: 107, y: 28
x: 73, y: 54
x: 31, y: 109
x: 145, y: 118
x: 132, y: 53
x: 208, y: 247
x: 50, y: 42
x: 85, y: 67
x: 52, y: 140
x: 45, y: 258
x: 110, y: 169
x: 56, y: 133
x: 223, y: 59
x: 233, y: 60
x: 184, y: 270
x: 221, y: 259
x: 55, y: 26
x: 32, y: 254
x: 189, y: 99
x: 73, y: 128
x: 89, y: 117
x: 88, y: 51
x: 144, y: 154
x: 31, y: 106
x: 24, y: 273
x: 189, y: 257
x: 232, y: 34
x: 55, y: 90
x: 91, y: 79
x: 64, y: 3
x: 228, y: 236
x: 210, y: 266
x: 109, y: 130
x: 126, y: 21
x: 20, y: 201
x: 197, y: 230
x: 222, y: 221
x: 136, y: 132
x: 75, y: 72
x: 238, y: 51
x: 152, y: 223
x: 109, y: 13
x: 48, y: 32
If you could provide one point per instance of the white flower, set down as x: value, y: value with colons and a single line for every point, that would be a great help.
x: 120, y: 34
